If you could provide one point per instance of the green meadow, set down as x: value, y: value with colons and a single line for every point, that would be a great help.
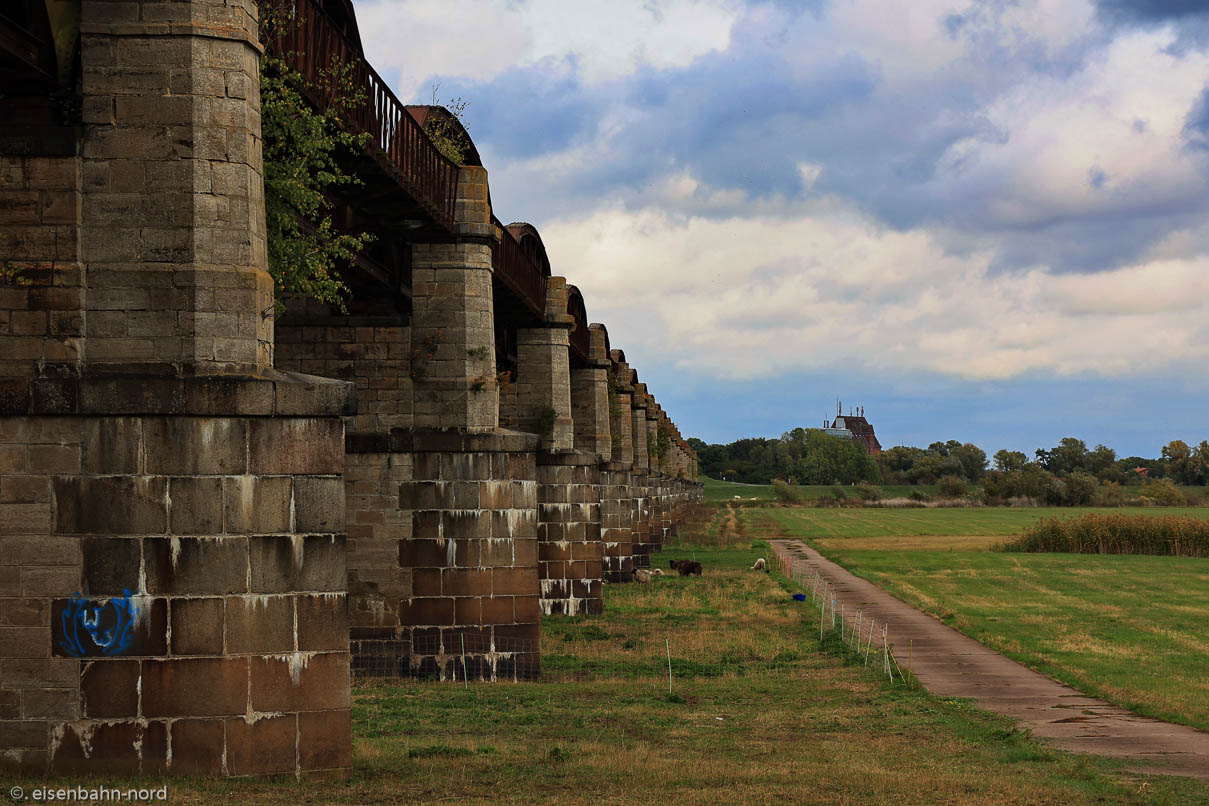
x: 716, y: 490
x: 1131, y: 629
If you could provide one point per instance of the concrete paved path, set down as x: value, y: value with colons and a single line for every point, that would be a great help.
x: 949, y: 664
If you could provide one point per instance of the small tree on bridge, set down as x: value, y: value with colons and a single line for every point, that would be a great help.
x: 302, y: 149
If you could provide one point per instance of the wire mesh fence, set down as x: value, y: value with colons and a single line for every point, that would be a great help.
x: 858, y: 633
x: 570, y: 651
x: 449, y: 655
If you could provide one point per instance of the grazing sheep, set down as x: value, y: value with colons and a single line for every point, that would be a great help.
x: 760, y: 565
x: 642, y: 575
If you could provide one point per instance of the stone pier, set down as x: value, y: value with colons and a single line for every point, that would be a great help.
x: 172, y: 534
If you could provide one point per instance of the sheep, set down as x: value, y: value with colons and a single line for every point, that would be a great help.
x: 760, y: 565
x: 642, y: 575
x: 656, y: 572
x: 685, y: 567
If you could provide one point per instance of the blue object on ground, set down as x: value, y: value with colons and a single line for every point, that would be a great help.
x: 799, y: 597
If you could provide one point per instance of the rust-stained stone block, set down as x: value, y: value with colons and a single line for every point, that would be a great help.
x: 257, y: 504
x: 186, y: 446
x: 319, y: 504
x: 260, y: 624
x: 296, y: 446
x: 302, y: 682
x: 427, y: 524
x: 498, y: 610
x: 195, y: 687
x: 119, y: 505
x: 267, y: 746
x: 113, y: 748
x: 10, y: 705
x: 467, y: 611
x: 322, y: 622
x: 196, y: 506
x: 465, y: 582
x: 112, y: 445
x: 50, y: 703
x: 111, y: 565
x: 23, y: 734
x: 426, y: 582
x: 194, y: 565
x: 197, y: 746
x: 325, y: 740
x: 423, y: 553
x: 497, y: 553
x: 197, y: 626
x: 283, y: 564
x: 423, y: 612
x: 514, y: 581
x: 109, y: 689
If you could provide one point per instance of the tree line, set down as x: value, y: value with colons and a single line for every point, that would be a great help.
x: 1068, y: 473
x: 800, y: 456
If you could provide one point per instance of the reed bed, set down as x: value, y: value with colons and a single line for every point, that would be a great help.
x: 1167, y: 536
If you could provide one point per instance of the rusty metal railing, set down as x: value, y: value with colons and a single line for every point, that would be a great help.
x: 311, y: 43
x: 518, y: 271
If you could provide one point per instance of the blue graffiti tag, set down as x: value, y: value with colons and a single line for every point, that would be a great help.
x: 106, y: 624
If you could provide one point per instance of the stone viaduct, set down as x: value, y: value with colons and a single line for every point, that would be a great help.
x: 212, y: 513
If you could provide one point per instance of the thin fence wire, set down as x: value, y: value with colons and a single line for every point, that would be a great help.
x: 847, y: 626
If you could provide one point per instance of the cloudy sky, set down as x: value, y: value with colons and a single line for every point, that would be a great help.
x: 980, y: 220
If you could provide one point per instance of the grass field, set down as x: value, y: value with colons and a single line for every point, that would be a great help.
x: 716, y: 490
x: 760, y: 713
x: 967, y: 521
x: 1131, y: 629
x: 757, y: 715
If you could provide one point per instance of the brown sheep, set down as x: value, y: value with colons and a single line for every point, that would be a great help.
x: 686, y: 567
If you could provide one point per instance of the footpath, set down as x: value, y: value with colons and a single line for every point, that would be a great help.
x: 949, y: 664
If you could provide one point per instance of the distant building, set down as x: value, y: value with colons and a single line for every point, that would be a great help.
x: 854, y: 427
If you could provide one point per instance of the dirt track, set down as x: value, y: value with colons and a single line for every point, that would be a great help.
x: 949, y: 664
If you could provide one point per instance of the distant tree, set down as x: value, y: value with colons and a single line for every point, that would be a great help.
x: 1007, y: 461
x: 973, y: 460
x: 1081, y: 488
x: 1100, y: 461
x: 1068, y: 456
x: 952, y: 486
x: 1177, y: 458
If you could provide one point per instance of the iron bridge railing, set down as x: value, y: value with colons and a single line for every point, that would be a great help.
x: 309, y: 41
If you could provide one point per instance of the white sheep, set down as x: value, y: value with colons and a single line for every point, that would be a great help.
x: 760, y: 565
x: 641, y: 575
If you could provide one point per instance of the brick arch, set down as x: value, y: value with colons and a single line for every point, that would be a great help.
x: 531, y: 244
x: 580, y: 340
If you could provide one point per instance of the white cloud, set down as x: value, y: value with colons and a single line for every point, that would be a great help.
x: 757, y: 296
x: 1106, y: 140
x: 408, y: 42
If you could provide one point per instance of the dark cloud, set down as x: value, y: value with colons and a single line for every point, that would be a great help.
x: 1152, y: 10
x: 1196, y: 126
x: 745, y: 119
x: 1190, y: 18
